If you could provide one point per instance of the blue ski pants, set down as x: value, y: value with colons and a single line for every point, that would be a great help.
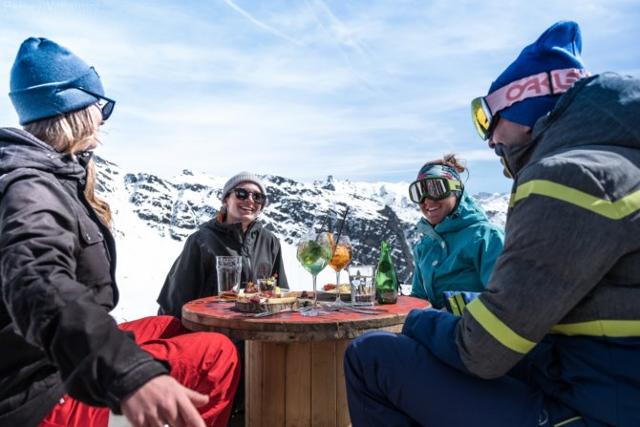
x: 393, y: 380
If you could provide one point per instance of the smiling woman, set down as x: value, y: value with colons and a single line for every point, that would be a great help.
x: 459, y: 245
x: 234, y: 231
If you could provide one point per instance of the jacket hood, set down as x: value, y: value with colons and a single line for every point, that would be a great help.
x: 232, y: 229
x: 466, y: 213
x: 600, y: 110
x: 20, y: 149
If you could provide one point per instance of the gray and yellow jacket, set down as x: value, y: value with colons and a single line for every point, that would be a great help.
x: 564, y: 296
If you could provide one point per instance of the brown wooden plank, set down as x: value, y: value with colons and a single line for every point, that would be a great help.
x: 342, y: 409
x: 273, y: 384
x: 253, y: 384
x: 298, y: 394
x: 323, y: 383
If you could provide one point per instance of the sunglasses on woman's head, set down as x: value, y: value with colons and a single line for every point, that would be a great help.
x: 243, y: 194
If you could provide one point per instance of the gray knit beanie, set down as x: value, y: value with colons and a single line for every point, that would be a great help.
x: 242, y: 177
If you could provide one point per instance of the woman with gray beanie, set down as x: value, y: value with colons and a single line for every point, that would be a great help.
x: 234, y: 231
x: 64, y: 360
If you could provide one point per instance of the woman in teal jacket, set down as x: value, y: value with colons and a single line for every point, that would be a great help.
x: 459, y: 245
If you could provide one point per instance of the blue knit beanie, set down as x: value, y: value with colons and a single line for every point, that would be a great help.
x: 559, y: 47
x: 44, y: 81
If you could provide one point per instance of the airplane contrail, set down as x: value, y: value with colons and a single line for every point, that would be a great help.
x: 261, y: 24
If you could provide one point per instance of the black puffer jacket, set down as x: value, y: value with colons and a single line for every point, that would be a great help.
x: 194, y: 275
x: 57, y: 264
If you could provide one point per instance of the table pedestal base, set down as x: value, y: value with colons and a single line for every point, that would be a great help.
x: 295, y: 384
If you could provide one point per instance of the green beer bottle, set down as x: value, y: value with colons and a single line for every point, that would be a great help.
x: 386, y: 280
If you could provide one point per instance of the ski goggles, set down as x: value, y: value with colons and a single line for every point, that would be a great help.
x: 432, y: 188
x: 243, y: 194
x: 555, y: 82
x: 482, y: 118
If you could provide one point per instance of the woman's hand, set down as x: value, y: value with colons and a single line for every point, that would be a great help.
x: 163, y: 400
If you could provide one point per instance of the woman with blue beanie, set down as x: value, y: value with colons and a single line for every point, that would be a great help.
x: 64, y: 360
x: 555, y: 338
x: 459, y: 245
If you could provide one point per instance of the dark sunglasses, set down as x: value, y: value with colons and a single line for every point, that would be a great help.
x: 105, y: 104
x: 243, y: 194
x: 433, y: 189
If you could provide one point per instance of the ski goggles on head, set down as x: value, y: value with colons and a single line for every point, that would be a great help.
x: 554, y: 82
x: 432, y: 188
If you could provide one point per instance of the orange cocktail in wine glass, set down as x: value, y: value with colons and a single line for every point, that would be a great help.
x: 341, y: 257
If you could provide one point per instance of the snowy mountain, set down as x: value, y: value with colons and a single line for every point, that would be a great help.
x: 154, y: 215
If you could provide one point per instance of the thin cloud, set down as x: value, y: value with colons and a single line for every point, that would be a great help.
x: 261, y: 24
x: 305, y: 89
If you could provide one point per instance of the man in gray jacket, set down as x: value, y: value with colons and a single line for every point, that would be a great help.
x: 555, y: 339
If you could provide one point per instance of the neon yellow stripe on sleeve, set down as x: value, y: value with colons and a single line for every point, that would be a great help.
x: 498, y: 329
x: 600, y: 328
x: 613, y: 210
x: 461, y: 303
x: 453, y: 303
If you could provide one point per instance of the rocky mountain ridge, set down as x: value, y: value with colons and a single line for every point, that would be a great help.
x: 173, y: 209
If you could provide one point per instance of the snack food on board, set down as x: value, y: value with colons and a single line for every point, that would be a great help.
x: 259, y: 302
x: 228, y: 295
x: 344, y: 288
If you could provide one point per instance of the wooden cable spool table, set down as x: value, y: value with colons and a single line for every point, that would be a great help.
x: 293, y: 366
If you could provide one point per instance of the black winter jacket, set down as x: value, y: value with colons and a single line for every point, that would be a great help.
x: 194, y: 274
x: 57, y: 265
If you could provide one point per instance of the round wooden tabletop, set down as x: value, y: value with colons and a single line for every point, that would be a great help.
x: 210, y: 314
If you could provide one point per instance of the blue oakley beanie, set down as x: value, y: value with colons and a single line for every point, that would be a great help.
x: 44, y: 81
x: 559, y: 47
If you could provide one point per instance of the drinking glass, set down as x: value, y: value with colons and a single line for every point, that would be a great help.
x: 340, y: 259
x: 405, y: 289
x: 362, y: 285
x: 228, y: 269
x: 314, y: 253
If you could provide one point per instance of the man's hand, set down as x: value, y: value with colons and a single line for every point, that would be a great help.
x: 162, y: 401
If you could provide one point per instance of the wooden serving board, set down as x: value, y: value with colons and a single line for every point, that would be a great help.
x: 272, y: 305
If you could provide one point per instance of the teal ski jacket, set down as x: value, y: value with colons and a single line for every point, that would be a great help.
x: 457, y: 254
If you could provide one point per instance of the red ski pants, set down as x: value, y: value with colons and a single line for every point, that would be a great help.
x: 203, y: 361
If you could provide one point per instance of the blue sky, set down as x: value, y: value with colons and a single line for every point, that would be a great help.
x: 363, y: 90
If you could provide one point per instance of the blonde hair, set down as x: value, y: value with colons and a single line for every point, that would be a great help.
x: 72, y: 133
x: 450, y: 160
